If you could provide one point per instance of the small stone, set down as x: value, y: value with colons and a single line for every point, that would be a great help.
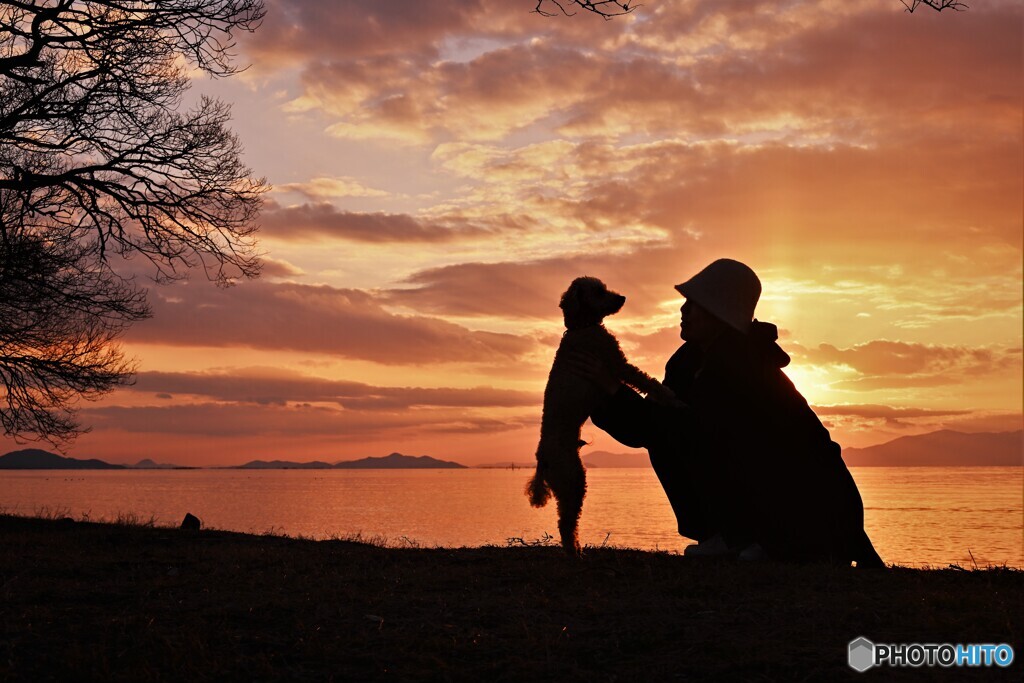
x: 191, y: 522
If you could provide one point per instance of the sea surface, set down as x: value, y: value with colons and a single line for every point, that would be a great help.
x: 916, y: 516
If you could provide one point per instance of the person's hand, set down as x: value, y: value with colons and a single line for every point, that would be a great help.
x: 590, y: 367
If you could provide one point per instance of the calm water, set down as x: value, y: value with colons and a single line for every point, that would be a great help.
x: 915, y: 515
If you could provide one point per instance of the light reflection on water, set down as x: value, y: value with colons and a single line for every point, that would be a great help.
x: 915, y: 515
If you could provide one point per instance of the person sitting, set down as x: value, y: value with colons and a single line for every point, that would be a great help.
x: 747, y: 466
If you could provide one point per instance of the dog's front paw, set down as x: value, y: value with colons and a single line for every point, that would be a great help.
x: 664, y: 396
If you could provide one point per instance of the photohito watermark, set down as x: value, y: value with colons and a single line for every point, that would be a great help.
x: 864, y: 654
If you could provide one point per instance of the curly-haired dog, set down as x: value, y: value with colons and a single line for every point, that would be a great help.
x: 569, y: 400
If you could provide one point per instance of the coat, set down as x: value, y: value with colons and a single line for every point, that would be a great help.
x: 748, y: 458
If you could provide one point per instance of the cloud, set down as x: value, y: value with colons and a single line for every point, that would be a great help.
x: 531, y: 290
x: 327, y: 188
x: 813, y: 73
x: 339, y: 322
x: 894, y: 364
x: 218, y: 420
x: 883, y: 412
x: 853, y: 418
x: 265, y: 386
x: 714, y: 199
x: 300, y: 30
x: 272, y: 267
x: 866, y: 162
x: 309, y: 222
x: 894, y: 357
x: 716, y: 127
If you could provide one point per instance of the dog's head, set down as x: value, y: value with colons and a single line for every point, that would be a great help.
x: 587, y: 302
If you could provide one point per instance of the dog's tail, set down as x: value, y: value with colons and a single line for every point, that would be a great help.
x: 538, y: 490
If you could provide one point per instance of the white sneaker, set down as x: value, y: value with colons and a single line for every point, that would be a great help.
x: 753, y: 553
x: 712, y: 547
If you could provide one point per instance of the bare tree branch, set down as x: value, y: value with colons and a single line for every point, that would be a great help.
x: 937, y: 5
x: 604, y: 8
x: 97, y: 159
x: 61, y: 314
x: 613, y: 8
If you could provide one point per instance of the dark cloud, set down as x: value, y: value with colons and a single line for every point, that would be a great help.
x: 340, y: 322
x: 316, y: 221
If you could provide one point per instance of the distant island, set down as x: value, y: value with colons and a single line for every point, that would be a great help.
x: 282, y: 465
x: 147, y: 464
x: 395, y: 461
x: 605, y: 459
x: 36, y: 459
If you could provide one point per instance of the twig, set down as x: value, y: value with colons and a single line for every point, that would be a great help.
x: 544, y: 540
x: 604, y: 8
x: 937, y: 5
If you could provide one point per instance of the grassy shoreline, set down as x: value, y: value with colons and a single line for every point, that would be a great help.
x: 83, y: 600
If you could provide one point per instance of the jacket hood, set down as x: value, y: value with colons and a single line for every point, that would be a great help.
x: 763, y: 337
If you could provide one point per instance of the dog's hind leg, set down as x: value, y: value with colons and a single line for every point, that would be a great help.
x: 570, y: 493
x: 568, y: 525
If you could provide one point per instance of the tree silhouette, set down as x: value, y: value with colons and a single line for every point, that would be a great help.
x: 98, y: 161
x: 61, y: 313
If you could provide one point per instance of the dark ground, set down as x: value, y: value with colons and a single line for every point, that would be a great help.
x: 84, y: 601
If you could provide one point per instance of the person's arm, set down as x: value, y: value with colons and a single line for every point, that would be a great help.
x: 623, y: 413
x: 627, y: 417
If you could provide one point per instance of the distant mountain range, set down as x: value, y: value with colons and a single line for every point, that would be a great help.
x: 36, y: 459
x: 395, y: 461
x: 944, y: 448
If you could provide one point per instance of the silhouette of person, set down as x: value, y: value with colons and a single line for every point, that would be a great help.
x: 747, y: 467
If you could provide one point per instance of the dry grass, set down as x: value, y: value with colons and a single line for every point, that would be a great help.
x: 87, y: 601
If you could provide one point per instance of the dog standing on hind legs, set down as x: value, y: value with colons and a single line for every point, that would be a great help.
x: 569, y: 400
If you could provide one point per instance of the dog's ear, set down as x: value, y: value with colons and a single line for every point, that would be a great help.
x: 570, y: 303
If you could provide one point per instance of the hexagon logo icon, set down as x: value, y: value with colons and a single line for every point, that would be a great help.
x: 862, y: 654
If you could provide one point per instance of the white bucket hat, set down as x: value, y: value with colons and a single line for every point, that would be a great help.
x: 727, y: 289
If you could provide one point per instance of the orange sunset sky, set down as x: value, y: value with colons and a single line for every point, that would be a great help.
x: 442, y: 170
